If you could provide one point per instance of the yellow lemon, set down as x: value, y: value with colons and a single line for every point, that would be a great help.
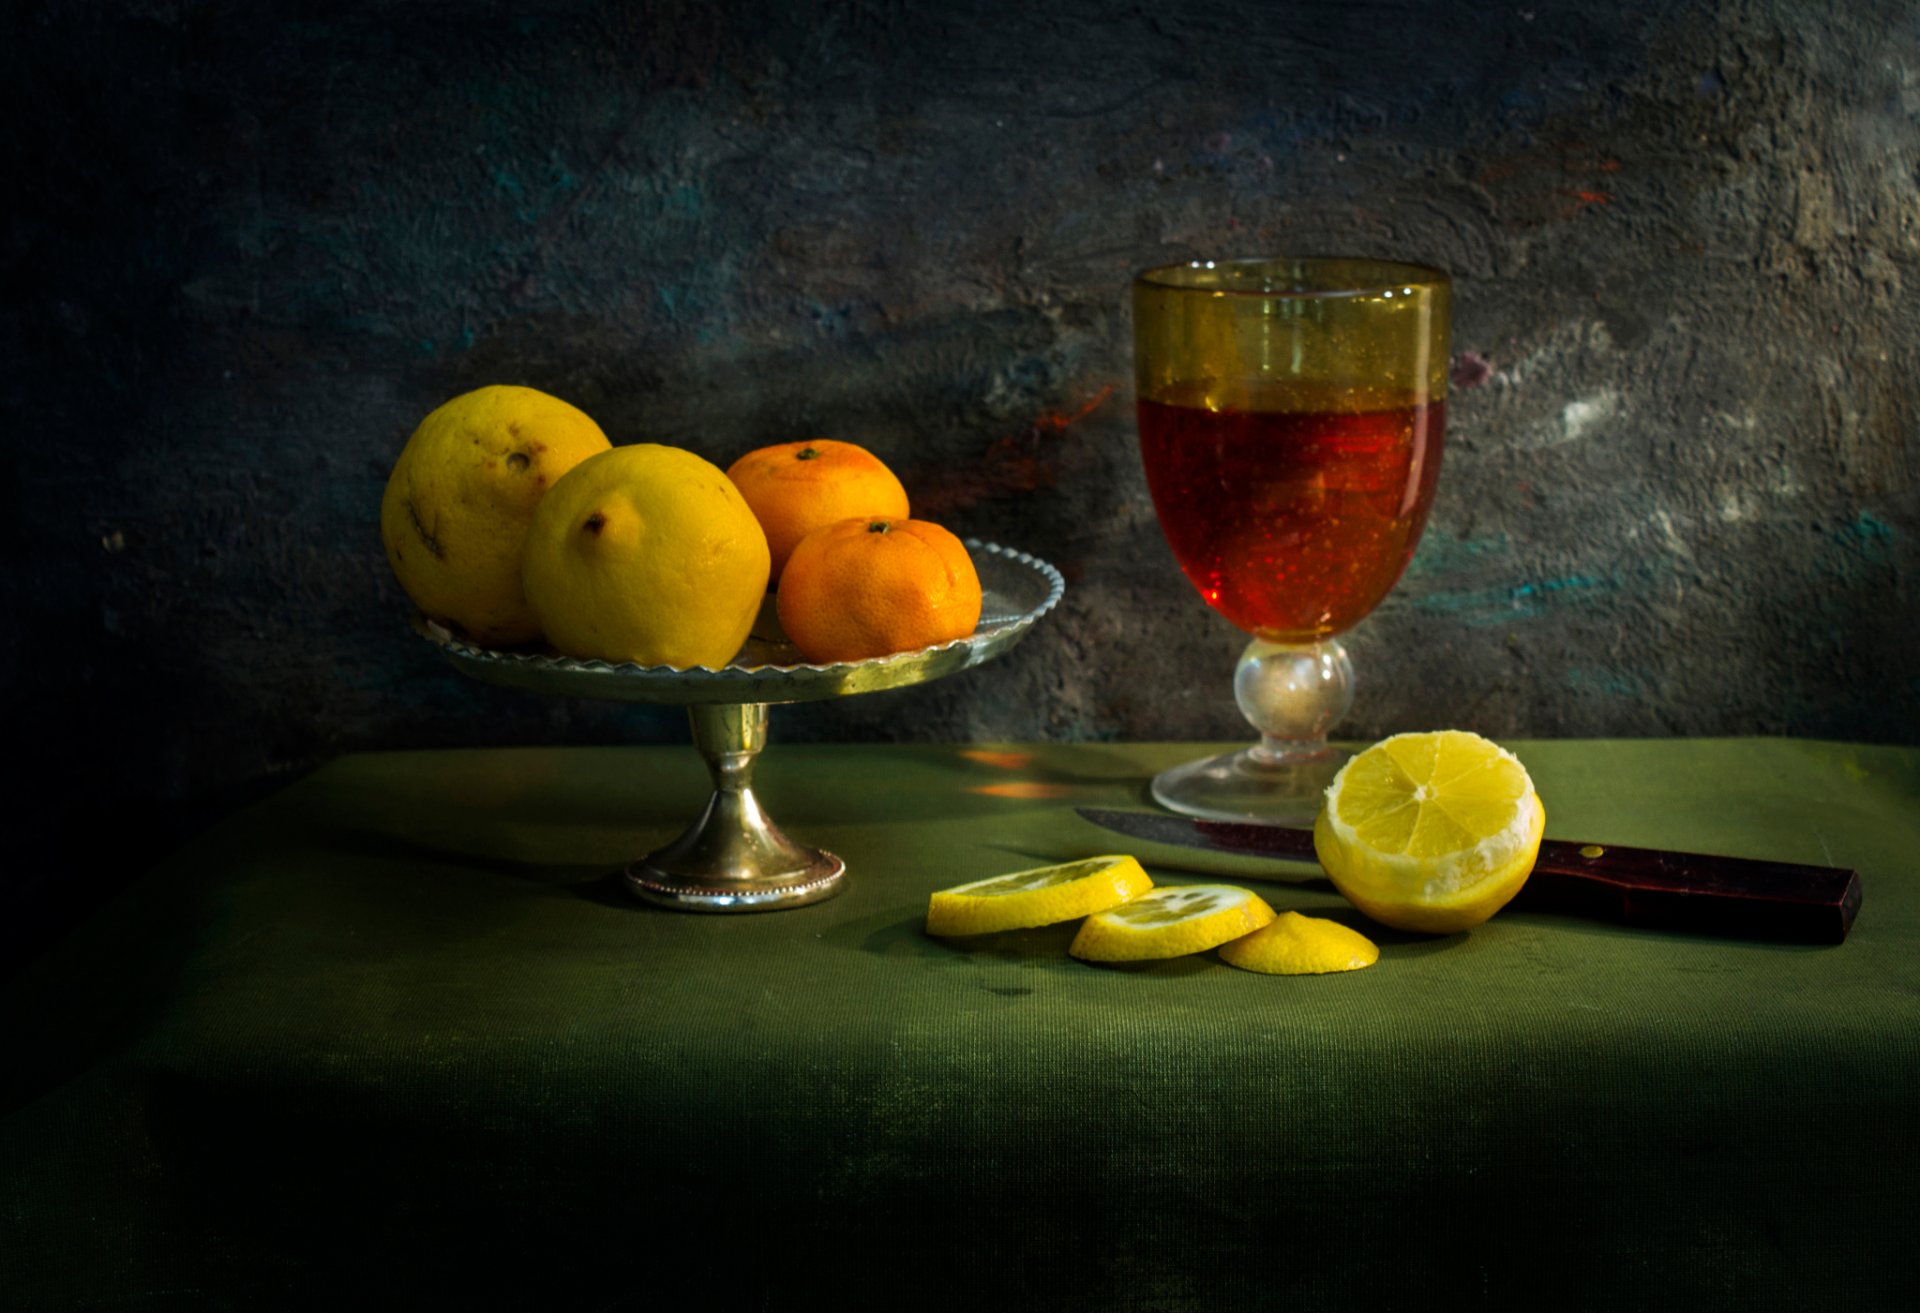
x: 646, y: 554
x: 1296, y: 945
x: 1430, y: 832
x: 1044, y: 895
x: 1171, y: 922
x: 455, y: 514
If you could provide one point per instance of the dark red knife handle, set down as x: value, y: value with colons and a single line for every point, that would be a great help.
x: 1676, y: 891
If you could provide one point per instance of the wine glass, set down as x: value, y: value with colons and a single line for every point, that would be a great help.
x: 1291, y: 414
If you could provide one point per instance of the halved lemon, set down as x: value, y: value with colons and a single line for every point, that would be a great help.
x: 1296, y: 945
x: 1431, y: 832
x: 1171, y: 922
x: 1041, y: 896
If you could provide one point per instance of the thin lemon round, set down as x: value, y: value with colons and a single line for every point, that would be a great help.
x: 1041, y: 896
x: 1171, y: 922
x: 1430, y: 832
x: 1296, y: 945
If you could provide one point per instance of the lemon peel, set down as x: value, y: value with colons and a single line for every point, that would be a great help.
x: 1171, y: 922
x: 1296, y: 945
x: 1043, y: 895
x: 1432, y: 832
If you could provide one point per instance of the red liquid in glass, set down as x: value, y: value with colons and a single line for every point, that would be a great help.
x: 1292, y: 523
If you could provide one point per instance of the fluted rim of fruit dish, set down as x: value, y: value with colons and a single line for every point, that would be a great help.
x: 1002, y: 628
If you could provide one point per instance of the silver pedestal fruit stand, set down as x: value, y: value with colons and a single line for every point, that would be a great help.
x: 734, y: 858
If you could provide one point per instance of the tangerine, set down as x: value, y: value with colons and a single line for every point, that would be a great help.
x: 869, y: 586
x: 797, y: 487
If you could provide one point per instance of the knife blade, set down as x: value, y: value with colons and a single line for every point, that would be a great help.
x: 1695, y: 892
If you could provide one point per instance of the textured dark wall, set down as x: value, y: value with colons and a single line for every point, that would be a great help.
x: 254, y: 242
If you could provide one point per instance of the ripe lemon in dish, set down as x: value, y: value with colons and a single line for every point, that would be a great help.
x: 646, y: 553
x: 457, y: 505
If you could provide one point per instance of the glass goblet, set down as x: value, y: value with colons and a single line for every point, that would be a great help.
x: 1292, y: 415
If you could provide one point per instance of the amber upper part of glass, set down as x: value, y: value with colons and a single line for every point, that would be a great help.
x: 1325, y: 335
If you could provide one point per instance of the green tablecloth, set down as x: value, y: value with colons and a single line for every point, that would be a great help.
x: 391, y: 1037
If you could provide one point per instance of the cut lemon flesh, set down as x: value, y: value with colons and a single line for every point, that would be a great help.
x: 1041, y: 896
x: 1430, y: 832
x: 1171, y: 922
x: 1296, y: 945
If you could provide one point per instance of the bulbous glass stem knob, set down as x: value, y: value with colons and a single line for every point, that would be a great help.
x: 1294, y: 694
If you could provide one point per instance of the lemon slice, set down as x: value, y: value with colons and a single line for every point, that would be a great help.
x: 1430, y: 832
x: 1171, y: 923
x: 1296, y: 945
x: 1041, y: 896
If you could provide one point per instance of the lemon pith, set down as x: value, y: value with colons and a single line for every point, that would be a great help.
x: 1432, y: 832
x: 1041, y: 896
x: 1171, y: 922
x: 1296, y: 945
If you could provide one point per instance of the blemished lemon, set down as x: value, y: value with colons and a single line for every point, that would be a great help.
x: 646, y: 553
x: 455, y: 514
x: 1171, y: 922
x: 1296, y: 945
x: 1044, y: 895
x: 1431, y: 832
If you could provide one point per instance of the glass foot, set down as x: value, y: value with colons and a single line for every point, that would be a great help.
x: 1251, y: 785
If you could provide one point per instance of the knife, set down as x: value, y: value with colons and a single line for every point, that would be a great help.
x: 1636, y: 886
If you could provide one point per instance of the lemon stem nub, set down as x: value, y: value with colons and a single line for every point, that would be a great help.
x: 595, y: 523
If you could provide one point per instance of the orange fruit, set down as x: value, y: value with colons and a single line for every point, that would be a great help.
x: 869, y: 586
x: 797, y: 487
